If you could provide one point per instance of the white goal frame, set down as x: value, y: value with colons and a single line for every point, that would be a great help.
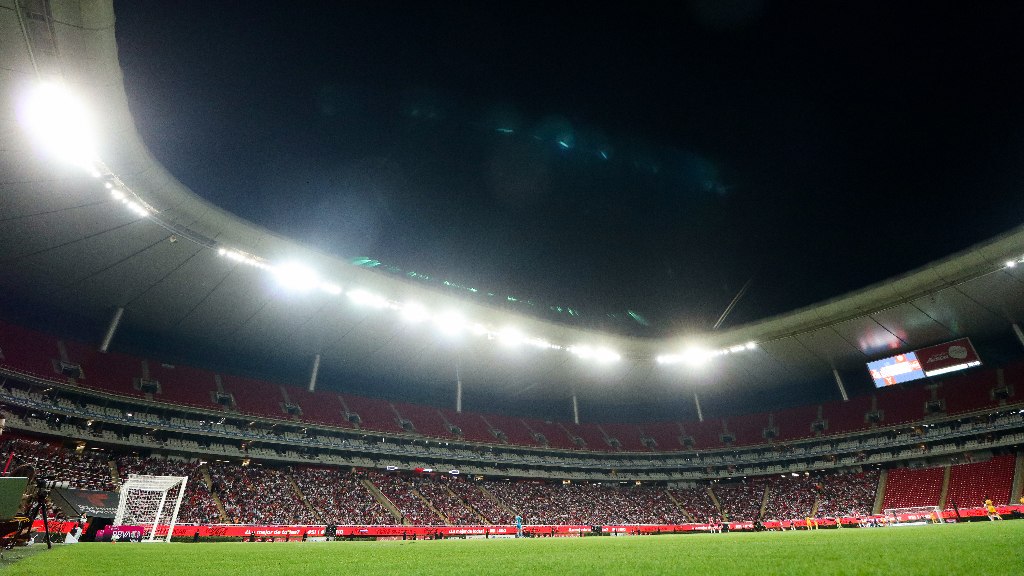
x: 932, y: 514
x: 144, y: 502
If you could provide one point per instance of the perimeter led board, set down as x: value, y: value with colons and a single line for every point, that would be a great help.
x: 895, y: 370
x: 924, y: 362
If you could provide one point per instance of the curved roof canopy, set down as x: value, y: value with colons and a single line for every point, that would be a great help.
x: 121, y: 232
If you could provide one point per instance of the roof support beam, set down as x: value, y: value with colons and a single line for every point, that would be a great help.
x: 1019, y: 333
x: 696, y: 402
x: 839, y: 384
x: 112, y: 329
x: 458, y: 389
x: 575, y: 409
x: 314, y: 372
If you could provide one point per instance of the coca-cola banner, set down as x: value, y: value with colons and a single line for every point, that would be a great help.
x: 948, y: 357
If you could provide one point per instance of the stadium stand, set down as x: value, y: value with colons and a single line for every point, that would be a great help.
x: 628, y: 436
x: 796, y: 423
x: 81, y: 470
x: 110, y: 372
x: 971, y: 484
x: 913, y: 487
x: 472, y: 426
x: 741, y: 501
x: 697, y: 502
x: 323, y: 408
x: 847, y: 494
x: 258, y: 495
x: 339, y: 497
x: 28, y: 351
x: 254, y: 396
x: 436, y: 491
x: 514, y: 429
x: 486, y: 506
x: 555, y: 435
x: 665, y: 435
x: 198, y: 506
x: 426, y: 420
x: 374, y: 414
x: 791, y: 497
x: 402, y: 492
x: 183, y: 385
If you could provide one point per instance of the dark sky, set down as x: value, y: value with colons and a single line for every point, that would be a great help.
x: 645, y: 157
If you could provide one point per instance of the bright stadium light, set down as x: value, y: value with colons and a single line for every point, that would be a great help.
x: 414, y: 312
x: 330, y: 288
x: 61, y: 124
x: 450, y: 323
x: 1011, y: 263
x: 598, y: 354
x: 291, y: 275
x: 751, y: 345
x: 364, y: 298
x: 696, y: 356
x: 510, y: 337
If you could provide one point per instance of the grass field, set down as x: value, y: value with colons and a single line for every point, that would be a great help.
x: 978, y: 548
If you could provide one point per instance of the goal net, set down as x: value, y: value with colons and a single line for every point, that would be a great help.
x: 914, y: 515
x: 151, y: 502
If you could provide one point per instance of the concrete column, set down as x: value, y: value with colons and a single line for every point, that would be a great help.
x: 1019, y: 333
x: 112, y: 329
x: 575, y: 409
x: 458, y: 390
x: 314, y: 372
x: 839, y: 383
x: 696, y: 402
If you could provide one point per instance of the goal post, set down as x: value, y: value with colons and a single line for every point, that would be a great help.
x: 914, y: 515
x: 151, y: 502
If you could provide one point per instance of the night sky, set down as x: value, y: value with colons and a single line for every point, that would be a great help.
x: 641, y: 157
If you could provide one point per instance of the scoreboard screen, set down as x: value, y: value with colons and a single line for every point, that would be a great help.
x: 924, y: 363
x: 895, y: 370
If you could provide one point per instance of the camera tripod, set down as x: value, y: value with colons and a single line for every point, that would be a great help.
x: 39, y: 508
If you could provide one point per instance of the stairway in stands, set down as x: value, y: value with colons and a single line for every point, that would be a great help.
x: 384, y: 501
x: 302, y: 497
x: 205, y: 470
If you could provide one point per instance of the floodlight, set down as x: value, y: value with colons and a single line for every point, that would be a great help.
x: 61, y: 123
x: 450, y: 323
x: 510, y: 337
x: 364, y: 298
x: 1011, y: 263
x: 696, y: 356
x: 735, y: 349
x: 414, y: 312
x: 751, y: 345
x: 116, y: 194
x: 330, y: 288
x: 291, y: 275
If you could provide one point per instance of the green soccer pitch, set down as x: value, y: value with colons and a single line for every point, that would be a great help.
x: 977, y: 548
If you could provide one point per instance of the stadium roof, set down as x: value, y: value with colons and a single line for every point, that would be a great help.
x: 67, y: 245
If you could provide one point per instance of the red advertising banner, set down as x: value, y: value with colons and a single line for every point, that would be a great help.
x: 281, y: 533
x: 948, y: 357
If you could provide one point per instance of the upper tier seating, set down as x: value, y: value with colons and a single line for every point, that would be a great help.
x: 30, y: 352
x: 255, y: 396
x: 913, y: 487
x: 425, y: 419
x: 374, y: 414
x: 183, y: 384
x: 971, y: 484
x: 110, y: 372
x: 513, y: 428
x: 319, y: 408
